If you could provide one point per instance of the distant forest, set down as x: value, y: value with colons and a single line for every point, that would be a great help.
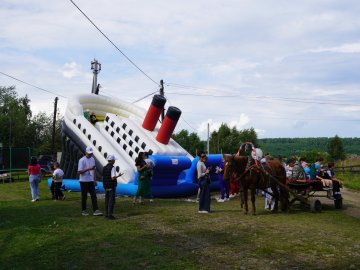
x: 287, y: 147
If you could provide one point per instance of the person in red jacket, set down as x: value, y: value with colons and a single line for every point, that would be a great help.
x: 34, y: 171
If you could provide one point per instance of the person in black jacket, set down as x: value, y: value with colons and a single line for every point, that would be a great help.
x: 110, y: 183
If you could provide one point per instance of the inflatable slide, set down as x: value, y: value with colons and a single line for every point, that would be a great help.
x: 124, y: 129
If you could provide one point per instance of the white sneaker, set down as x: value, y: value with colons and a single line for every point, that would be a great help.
x: 97, y: 213
x: 221, y: 200
x: 34, y: 200
x: 227, y: 199
x: 204, y: 212
x: 232, y: 195
x: 85, y: 213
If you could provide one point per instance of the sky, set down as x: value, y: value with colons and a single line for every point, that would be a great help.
x: 284, y: 68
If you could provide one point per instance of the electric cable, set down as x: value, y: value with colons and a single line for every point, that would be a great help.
x: 114, y: 44
x: 42, y: 89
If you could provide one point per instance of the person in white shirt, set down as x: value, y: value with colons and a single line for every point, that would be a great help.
x: 58, y: 175
x: 86, y: 170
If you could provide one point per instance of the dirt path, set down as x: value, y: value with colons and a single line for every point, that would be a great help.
x: 351, y: 202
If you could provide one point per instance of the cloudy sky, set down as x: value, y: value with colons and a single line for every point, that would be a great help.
x: 285, y: 68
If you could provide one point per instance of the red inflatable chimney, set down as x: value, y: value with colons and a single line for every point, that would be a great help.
x: 153, y: 113
x: 168, y: 125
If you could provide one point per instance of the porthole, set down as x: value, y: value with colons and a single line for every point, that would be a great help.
x: 112, y: 123
x: 94, y: 142
x: 112, y: 133
x: 118, y: 140
x: 117, y: 129
x: 84, y: 130
x: 99, y: 148
x: 107, y: 128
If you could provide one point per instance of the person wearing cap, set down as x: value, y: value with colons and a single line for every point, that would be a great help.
x: 110, y: 182
x: 86, y: 170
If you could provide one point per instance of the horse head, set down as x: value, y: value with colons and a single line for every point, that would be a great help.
x: 233, y: 164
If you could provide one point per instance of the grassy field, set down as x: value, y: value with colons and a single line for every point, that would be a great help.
x: 170, y: 234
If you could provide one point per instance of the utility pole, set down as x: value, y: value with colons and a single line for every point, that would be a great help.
x: 208, y: 138
x: 53, y: 131
x: 162, y: 94
x: 10, y: 150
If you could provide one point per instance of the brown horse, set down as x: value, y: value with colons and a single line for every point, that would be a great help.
x: 258, y: 176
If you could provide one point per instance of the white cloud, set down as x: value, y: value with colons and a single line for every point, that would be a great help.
x: 344, y: 48
x: 70, y: 70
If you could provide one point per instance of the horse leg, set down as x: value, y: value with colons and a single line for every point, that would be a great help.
x: 241, y: 195
x: 245, y: 200
x: 275, y: 192
x: 253, y: 191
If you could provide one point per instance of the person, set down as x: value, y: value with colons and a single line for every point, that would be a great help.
x: 109, y: 183
x: 307, y: 170
x: 315, y: 168
x: 326, y: 175
x: 92, y: 118
x: 144, y: 177
x: 224, y: 185
x: 234, y: 185
x: 86, y: 170
x: 34, y: 172
x: 204, y: 184
x: 297, y: 171
x: 150, y: 171
x: 58, y: 175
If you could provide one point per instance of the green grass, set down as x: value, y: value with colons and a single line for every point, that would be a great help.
x: 170, y: 234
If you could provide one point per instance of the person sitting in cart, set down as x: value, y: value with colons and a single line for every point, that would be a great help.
x: 315, y: 168
x: 328, y: 179
x: 297, y: 171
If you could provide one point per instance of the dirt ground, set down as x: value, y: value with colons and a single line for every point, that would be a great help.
x: 351, y: 202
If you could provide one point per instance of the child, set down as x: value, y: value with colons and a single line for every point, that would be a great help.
x: 58, y: 175
x: 224, y: 185
x: 110, y: 183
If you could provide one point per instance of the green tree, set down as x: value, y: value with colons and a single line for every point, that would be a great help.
x: 335, y: 148
x: 190, y: 142
x: 228, y: 140
x: 15, y: 116
x: 20, y: 128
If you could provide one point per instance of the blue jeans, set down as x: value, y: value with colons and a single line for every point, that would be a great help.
x: 204, y: 198
x: 34, y: 186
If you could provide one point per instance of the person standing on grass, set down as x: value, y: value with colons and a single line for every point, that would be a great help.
x: 86, y: 170
x: 204, y: 184
x: 110, y: 182
x: 34, y: 172
x: 224, y: 184
x: 58, y: 175
x: 143, y: 178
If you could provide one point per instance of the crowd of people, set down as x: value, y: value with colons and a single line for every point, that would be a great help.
x: 296, y: 169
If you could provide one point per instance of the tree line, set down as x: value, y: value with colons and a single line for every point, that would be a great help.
x: 21, y: 128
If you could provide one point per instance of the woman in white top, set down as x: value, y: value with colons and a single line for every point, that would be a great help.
x: 204, y: 184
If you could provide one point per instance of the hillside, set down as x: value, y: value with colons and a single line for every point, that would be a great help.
x: 297, y: 146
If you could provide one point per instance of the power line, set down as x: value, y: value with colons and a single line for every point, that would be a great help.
x: 114, y: 44
x: 181, y: 116
x: 42, y: 89
x: 287, y: 99
x: 144, y: 97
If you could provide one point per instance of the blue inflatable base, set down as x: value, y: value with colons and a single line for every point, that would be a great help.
x: 182, y: 189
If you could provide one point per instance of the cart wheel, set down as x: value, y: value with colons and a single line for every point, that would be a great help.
x: 338, y: 202
x: 315, y: 206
